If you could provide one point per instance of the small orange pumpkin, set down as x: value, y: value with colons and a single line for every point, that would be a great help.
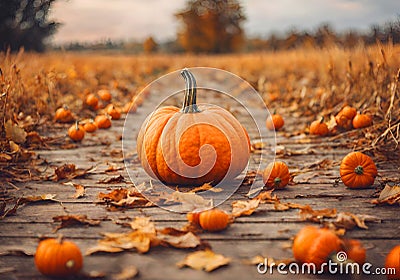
x: 315, y: 245
x: 104, y: 95
x: 319, y: 128
x: 354, y: 250
x: 348, y: 112
x: 76, y: 132
x: 275, y: 122
x: 58, y: 258
x: 194, y: 217
x: 63, y: 115
x: 345, y: 117
x: 213, y: 220
x: 170, y: 142
x: 138, y: 100
x: 276, y: 175
x: 129, y: 107
x: 92, y: 101
x: 90, y: 126
x: 357, y: 170
x: 103, y: 121
x: 393, y: 262
x: 114, y: 112
x: 362, y: 120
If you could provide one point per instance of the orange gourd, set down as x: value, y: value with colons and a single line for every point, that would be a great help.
x: 92, y: 101
x: 58, y: 258
x: 354, y: 250
x: 90, y: 126
x: 319, y: 128
x: 193, y: 145
x: 104, y: 95
x: 76, y: 132
x: 129, y: 107
x: 275, y: 122
x: 348, y: 112
x: 103, y: 121
x: 362, y: 120
x: 213, y: 220
x: 276, y: 175
x: 357, y: 170
x: 63, y: 115
x: 315, y: 245
x: 113, y: 112
x: 393, y: 262
x: 345, y: 117
x: 193, y: 217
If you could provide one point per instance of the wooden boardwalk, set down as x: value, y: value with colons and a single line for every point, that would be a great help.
x: 266, y: 232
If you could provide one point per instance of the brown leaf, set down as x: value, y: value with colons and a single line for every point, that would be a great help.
x: 112, y: 180
x: 206, y: 187
x: 389, y: 195
x: 128, y: 272
x: 38, y: 198
x: 69, y: 171
x: 178, y: 238
x: 79, y: 190
x: 189, y: 201
x: 127, y: 198
x: 204, y: 260
x: 4, y: 211
x: 244, y: 208
x: 349, y: 220
x: 74, y: 220
x: 309, y: 214
x: 267, y: 197
x: 14, y: 132
x: 144, y: 224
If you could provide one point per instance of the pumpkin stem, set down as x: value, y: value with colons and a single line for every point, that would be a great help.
x: 60, y: 238
x: 189, y: 103
x: 359, y: 170
x: 77, y: 125
x: 277, y: 181
x: 322, y: 119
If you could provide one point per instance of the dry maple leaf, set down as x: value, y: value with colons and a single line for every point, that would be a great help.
x: 206, y: 187
x: 128, y: 272
x: 204, y: 260
x: 69, y: 171
x: 73, y: 220
x: 389, y: 195
x: 349, y: 220
x: 244, y: 208
x: 127, y: 198
x: 309, y: 214
x: 112, y: 180
x: 178, y: 238
x: 79, y: 190
x: 144, y: 224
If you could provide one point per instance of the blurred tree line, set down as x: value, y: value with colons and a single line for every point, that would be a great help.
x: 205, y: 26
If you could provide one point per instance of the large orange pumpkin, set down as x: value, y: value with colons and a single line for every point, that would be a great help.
x: 58, y: 258
x: 357, y: 170
x: 315, y: 245
x: 193, y: 145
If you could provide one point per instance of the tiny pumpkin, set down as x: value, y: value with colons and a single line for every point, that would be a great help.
x: 354, y: 250
x: 104, y: 95
x: 345, y: 117
x: 129, y: 107
x: 103, y: 121
x: 275, y: 122
x: 392, y: 261
x: 318, y: 127
x: 194, y: 217
x: 315, y: 245
x: 90, y: 126
x: 348, y: 112
x: 362, y: 120
x: 113, y: 112
x: 63, y: 115
x: 58, y: 258
x: 357, y: 170
x: 76, y: 132
x: 213, y: 220
x: 92, y: 101
x: 276, y: 175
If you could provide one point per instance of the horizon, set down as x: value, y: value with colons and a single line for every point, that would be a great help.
x: 80, y: 19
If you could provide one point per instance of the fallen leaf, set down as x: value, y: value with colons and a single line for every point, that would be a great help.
x: 14, y: 132
x: 189, y: 201
x: 112, y: 180
x: 244, y: 208
x: 103, y: 248
x: 79, y: 190
x: 349, y: 220
x: 69, y: 171
x: 309, y: 214
x: 204, y: 260
x: 127, y: 198
x: 178, y: 238
x: 38, y: 198
x: 389, y: 195
x: 267, y: 197
x: 128, y: 272
x: 144, y: 224
x: 74, y: 220
x: 94, y: 274
x: 206, y: 187
x: 12, y: 250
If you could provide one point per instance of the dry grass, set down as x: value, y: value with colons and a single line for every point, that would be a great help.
x: 304, y: 83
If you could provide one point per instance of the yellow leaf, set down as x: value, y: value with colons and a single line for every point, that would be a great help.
x: 244, y: 208
x: 204, y: 260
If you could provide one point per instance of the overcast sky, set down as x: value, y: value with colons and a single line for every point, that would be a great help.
x: 91, y: 20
